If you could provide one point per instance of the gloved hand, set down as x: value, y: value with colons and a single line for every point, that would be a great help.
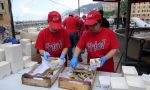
x: 103, y: 60
x: 46, y: 56
x: 74, y: 62
x: 62, y: 57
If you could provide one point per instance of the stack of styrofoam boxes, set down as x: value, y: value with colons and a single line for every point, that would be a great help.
x: 28, y: 51
x: 118, y: 83
x: 13, y: 54
x: 129, y: 71
x: 135, y: 83
x: 4, y: 65
x: 26, y: 46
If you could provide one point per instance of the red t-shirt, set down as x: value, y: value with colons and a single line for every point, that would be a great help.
x: 71, y: 24
x: 82, y: 27
x: 98, y: 45
x: 54, y: 43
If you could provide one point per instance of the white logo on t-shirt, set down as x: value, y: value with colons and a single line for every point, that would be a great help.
x: 97, y: 45
x: 53, y: 46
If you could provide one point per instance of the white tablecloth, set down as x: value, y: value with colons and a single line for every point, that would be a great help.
x: 13, y: 82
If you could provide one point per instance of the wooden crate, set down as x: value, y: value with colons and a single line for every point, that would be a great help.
x: 73, y: 84
x: 37, y: 58
x: 40, y: 81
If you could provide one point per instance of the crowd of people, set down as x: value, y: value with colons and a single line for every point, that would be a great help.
x: 74, y: 34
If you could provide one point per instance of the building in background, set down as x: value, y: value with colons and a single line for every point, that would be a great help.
x: 109, y: 6
x: 4, y: 13
x: 141, y: 10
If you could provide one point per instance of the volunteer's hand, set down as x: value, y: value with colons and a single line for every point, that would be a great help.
x: 62, y: 57
x: 74, y: 62
x: 46, y: 56
x: 102, y: 60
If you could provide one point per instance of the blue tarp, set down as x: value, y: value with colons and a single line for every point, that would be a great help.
x: 10, y: 40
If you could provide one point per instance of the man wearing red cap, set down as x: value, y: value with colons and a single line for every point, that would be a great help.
x: 100, y: 43
x: 53, y: 41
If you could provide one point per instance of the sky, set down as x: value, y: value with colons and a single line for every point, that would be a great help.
x: 39, y: 9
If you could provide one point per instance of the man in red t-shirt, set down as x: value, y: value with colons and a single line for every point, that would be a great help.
x: 100, y: 43
x: 53, y: 41
x: 71, y: 24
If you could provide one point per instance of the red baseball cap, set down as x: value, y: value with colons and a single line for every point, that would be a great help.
x: 54, y: 19
x: 92, y: 17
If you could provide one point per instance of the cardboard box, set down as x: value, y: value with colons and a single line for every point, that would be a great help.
x: 36, y: 58
x: 33, y: 49
x: 39, y: 80
x: 73, y: 84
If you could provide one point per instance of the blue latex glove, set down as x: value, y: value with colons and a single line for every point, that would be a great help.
x: 62, y: 57
x: 46, y: 56
x: 103, y: 60
x: 74, y: 62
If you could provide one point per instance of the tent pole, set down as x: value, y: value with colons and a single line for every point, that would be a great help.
x: 79, y: 7
x: 11, y: 18
x: 118, y: 14
x: 127, y: 28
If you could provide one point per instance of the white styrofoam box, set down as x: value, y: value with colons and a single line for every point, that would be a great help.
x: 27, y: 62
x: 129, y: 70
x: 118, y: 83
x: 147, y: 87
x: 116, y: 74
x: 16, y: 66
x: 2, y: 46
x: 24, y: 41
x: 146, y: 79
x: 26, y: 47
x: 135, y: 83
x: 2, y: 55
x: 30, y: 64
x: 26, y: 59
x: 13, y: 53
x: 33, y: 49
x: 104, y: 82
x: 4, y: 69
x: 104, y: 73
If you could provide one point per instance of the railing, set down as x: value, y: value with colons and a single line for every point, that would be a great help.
x: 138, y: 51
